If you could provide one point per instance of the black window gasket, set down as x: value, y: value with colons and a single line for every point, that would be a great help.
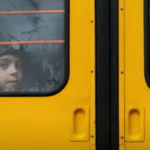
x: 146, y: 43
x: 66, y: 66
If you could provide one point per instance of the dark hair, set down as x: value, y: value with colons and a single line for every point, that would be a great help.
x: 12, y: 49
x: 17, y: 50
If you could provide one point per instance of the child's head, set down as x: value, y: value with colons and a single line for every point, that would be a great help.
x: 11, y: 68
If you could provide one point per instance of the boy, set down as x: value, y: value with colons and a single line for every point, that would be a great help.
x: 11, y: 68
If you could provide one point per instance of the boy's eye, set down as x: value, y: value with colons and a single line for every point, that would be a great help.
x: 19, y: 66
x: 4, y: 66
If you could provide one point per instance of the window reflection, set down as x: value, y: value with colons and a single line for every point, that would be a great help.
x: 36, y: 63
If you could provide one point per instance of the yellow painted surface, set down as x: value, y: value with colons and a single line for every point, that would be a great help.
x: 134, y: 124
x: 93, y: 147
x: 92, y: 75
x: 121, y: 72
x: 80, y: 127
x: 42, y: 123
x: 121, y: 147
x: 137, y: 93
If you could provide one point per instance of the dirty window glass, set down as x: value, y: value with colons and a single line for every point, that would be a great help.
x: 33, y: 47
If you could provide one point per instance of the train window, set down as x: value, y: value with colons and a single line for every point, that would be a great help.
x: 34, y: 55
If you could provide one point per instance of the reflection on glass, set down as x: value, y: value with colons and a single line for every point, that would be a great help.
x: 10, y: 72
x: 24, y: 5
x: 32, y: 66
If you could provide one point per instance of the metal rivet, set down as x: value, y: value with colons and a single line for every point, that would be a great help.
x: 92, y: 136
x: 91, y: 21
x: 91, y: 71
x: 122, y: 72
x: 121, y: 8
x: 122, y: 137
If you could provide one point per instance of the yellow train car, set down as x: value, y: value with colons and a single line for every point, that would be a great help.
x: 47, y: 75
x: 134, y: 77
x: 74, y: 75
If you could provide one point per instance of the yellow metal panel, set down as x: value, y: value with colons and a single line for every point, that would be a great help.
x: 121, y: 147
x: 92, y: 70
x: 79, y: 127
x: 137, y: 93
x: 42, y: 123
x: 121, y: 72
x: 134, y: 124
x: 93, y: 147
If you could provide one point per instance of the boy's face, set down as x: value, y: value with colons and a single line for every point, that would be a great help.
x: 10, y: 73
